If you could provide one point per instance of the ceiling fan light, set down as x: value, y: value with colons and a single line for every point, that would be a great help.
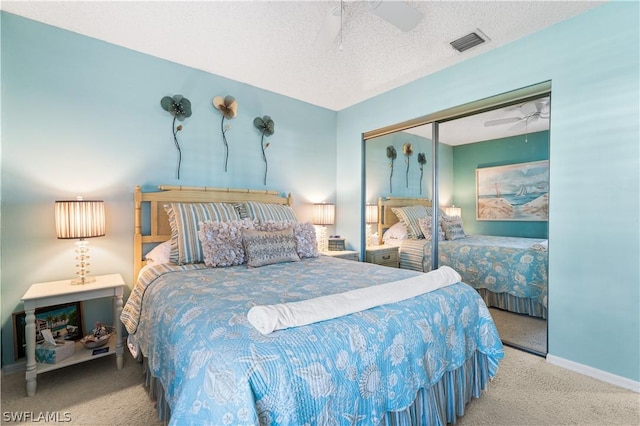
x: 467, y: 42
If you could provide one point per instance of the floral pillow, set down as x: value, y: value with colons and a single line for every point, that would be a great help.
x: 222, y: 242
x: 425, y: 224
x: 266, y: 248
x: 304, y: 233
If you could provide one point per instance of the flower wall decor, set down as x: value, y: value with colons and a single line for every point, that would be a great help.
x: 267, y: 128
x: 422, y: 160
x: 180, y: 108
x: 392, y: 155
x: 228, y: 106
x: 407, y: 150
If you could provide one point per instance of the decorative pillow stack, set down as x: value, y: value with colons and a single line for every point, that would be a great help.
x: 304, y: 233
x: 452, y: 226
x: 269, y: 247
x: 263, y: 212
x: 222, y: 242
x: 184, y: 219
x: 409, y: 217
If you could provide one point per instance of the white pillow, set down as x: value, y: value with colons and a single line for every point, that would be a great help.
x: 159, y: 254
x: 396, y: 232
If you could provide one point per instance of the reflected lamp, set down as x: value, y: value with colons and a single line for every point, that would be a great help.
x: 80, y: 219
x: 453, y: 211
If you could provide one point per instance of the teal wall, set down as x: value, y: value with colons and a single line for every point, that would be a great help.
x: 498, y: 152
x: 592, y: 61
x: 402, y: 184
x: 83, y: 117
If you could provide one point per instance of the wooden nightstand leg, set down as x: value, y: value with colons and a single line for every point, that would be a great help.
x: 30, y: 340
x: 116, y: 314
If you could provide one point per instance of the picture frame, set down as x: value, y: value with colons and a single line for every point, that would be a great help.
x: 513, y: 192
x: 64, y: 321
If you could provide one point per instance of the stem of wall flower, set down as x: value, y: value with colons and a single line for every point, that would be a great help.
x: 421, y: 173
x: 390, y: 176
x: 175, y: 140
x: 264, y: 157
x: 226, y: 145
x: 407, y: 174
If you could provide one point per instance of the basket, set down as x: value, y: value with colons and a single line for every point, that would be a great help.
x: 98, y: 339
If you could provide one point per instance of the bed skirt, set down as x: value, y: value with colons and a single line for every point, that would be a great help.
x: 439, y: 405
x: 508, y: 302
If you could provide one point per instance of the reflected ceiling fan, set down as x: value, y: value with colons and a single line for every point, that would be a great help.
x: 529, y: 112
x: 397, y: 13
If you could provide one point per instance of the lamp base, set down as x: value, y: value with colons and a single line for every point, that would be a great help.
x: 83, y: 280
x: 321, y: 237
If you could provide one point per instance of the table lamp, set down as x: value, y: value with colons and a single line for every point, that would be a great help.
x: 323, y: 214
x: 80, y: 219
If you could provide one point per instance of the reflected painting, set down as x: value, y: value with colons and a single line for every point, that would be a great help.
x: 513, y: 192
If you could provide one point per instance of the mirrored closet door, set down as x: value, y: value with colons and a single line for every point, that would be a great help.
x: 481, y: 171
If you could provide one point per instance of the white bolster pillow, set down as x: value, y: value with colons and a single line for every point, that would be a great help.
x: 268, y: 318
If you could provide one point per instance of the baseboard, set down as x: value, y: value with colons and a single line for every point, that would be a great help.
x: 604, y: 376
x: 17, y: 367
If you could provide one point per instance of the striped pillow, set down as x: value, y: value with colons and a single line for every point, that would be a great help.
x: 184, y: 219
x: 266, y: 211
x: 409, y: 216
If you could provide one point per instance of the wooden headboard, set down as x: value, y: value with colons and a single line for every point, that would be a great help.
x: 158, y: 221
x: 387, y: 218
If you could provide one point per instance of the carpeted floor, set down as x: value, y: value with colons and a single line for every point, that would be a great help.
x: 526, y: 391
x: 521, y: 330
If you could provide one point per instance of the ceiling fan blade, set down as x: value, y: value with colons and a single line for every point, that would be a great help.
x: 501, y: 121
x: 330, y: 27
x: 528, y: 108
x: 397, y: 13
x: 519, y: 126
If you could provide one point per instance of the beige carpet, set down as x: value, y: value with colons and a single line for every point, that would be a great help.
x: 521, y: 330
x: 526, y: 391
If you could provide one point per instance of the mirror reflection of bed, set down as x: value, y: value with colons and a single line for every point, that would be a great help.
x: 505, y: 260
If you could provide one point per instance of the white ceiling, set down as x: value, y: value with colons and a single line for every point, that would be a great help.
x: 274, y: 44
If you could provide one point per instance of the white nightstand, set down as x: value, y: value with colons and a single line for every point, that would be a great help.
x: 342, y: 254
x: 383, y: 255
x: 58, y: 292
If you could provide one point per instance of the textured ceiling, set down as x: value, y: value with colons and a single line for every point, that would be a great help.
x: 275, y: 45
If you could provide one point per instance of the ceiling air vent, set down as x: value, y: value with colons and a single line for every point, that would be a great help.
x: 468, y: 41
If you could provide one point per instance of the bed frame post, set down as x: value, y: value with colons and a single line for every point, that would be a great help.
x: 137, y: 233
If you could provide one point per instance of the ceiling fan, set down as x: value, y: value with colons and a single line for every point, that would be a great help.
x: 397, y: 13
x: 529, y: 112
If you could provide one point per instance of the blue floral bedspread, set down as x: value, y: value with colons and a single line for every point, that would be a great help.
x: 217, y: 369
x: 499, y: 264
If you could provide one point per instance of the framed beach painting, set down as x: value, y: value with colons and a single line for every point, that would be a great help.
x: 64, y: 321
x: 513, y: 192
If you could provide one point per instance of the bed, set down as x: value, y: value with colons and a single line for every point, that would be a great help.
x: 510, y: 273
x: 415, y: 361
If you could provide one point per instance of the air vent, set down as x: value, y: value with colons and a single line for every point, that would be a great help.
x: 467, y: 42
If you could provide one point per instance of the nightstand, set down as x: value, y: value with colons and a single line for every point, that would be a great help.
x: 342, y: 254
x: 58, y: 292
x: 383, y: 255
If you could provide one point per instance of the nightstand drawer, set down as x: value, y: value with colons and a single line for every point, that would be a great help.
x: 385, y: 256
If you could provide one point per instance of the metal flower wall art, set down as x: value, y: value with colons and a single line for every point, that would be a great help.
x: 228, y: 106
x: 180, y: 108
x: 422, y: 160
x: 407, y: 150
x: 392, y: 155
x: 267, y: 128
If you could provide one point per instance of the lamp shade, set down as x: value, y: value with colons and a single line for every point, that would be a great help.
x: 453, y: 211
x: 324, y: 214
x: 79, y: 219
x: 371, y: 213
